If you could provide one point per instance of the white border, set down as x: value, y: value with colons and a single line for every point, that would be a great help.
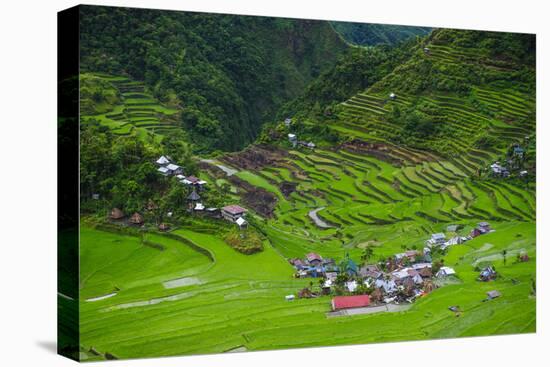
x: 28, y: 219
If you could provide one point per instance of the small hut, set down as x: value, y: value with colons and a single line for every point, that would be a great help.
x: 164, y: 227
x: 194, y: 196
x: 136, y: 219
x: 116, y: 214
x: 151, y: 205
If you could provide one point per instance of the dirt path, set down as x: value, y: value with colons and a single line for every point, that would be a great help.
x: 228, y: 170
x: 101, y: 297
x: 318, y: 221
x: 368, y: 310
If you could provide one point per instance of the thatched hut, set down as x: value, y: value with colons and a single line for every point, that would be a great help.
x: 116, y: 214
x: 151, y: 205
x: 164, y: 227
x: 136, y: 219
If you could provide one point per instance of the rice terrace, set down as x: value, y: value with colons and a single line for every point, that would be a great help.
x: 289, y: 187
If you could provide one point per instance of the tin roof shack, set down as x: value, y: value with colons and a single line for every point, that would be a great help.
x: 242, y: 223
x: 445, y: 271
x: 436, y: 239
x: 487, y: 274
x: 163, y: 160
x: 346, y: 302
x: 499, y: 171
x: 482, y: 228
x: 493, y: 294
x: 292, y: 138
x: 288, y: 121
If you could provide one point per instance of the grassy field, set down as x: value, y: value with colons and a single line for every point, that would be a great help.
x: 234, y: 300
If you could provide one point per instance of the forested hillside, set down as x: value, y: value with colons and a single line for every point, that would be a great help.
x: 228, y: 73
x: 366, y: 34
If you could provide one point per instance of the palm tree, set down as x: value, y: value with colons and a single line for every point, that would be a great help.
x: 367, y: 254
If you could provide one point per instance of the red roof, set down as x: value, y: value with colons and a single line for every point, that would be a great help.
x: 342, y: 302
x: 313, y: 256
x: 233, y: 209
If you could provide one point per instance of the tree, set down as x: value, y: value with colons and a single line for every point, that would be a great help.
x: 504, y: 252
x: 367, y: 254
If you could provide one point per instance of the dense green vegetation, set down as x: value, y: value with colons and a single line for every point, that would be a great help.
x: 229, y: 73
x: 354, y: 71
x: 368, y: 34
x: 385, y: 174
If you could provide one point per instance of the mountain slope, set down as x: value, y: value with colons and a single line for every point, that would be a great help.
x: 464, y: 95
x: 229, y: 73
x: 368, y: 34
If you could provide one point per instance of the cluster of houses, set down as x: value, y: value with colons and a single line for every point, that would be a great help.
x: 440, y: 241
x: 293, y: 138
x: 169, y: 168
x: 231, y: 213
x: 516, y: 155
x: 401, y: 278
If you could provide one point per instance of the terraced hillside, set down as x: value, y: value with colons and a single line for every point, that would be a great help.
x: 462, y: 103
x: 135, y: 111
x: 374, y: 193
x: 399, y: 169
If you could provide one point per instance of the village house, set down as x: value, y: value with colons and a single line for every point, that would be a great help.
x: 518, y: 151
x: 242, y: 223
x: 436, y: 239
x: 393, y: 96
x: 346, y: 302
x: 445, y: 271
x: 499, y: 171
x: 370, y: 271
x: 310, y: 144
x: 314, y: 259
x: 422, y: 265
x: 351, y: 286
x: 482, y: 228
x: 388, y: 285
x: 233, y: 212
x: 493, y: 294
x: 487, y: 274
x: 288, y: 121
x: 174, y: 169
x: 293, y: 139
x: 213, y: 212
x: 457, y: 240
x: 163, y: 160
x: 163, y: 171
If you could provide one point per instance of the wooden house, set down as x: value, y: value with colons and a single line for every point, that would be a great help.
x: 233, y: 212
